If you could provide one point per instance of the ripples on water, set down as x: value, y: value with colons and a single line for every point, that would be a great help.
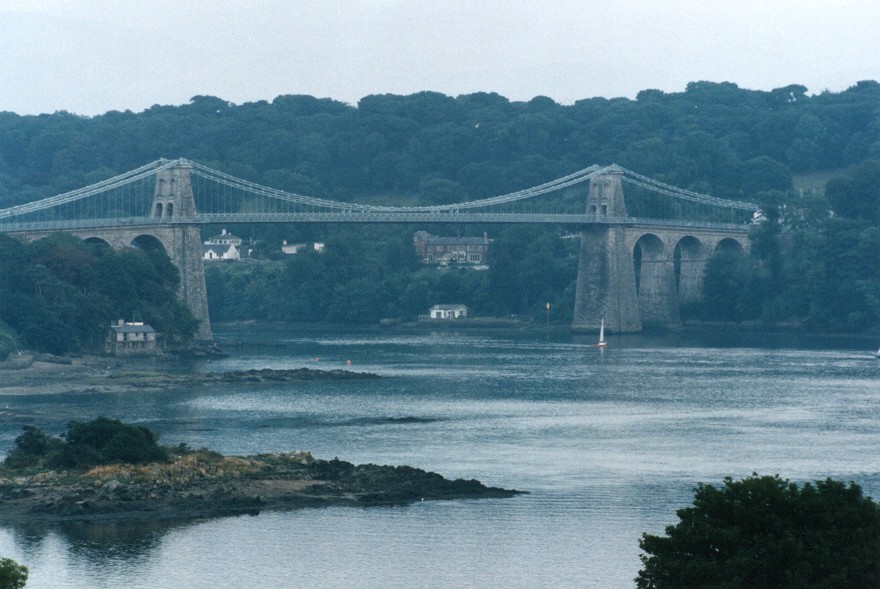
x: 609, y: 443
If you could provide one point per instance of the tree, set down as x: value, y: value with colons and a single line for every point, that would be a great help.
x: 727, y: 287
x: 30, y: 448
x: 765, y: 531
x: 12, y: 574
x: 764, y: 173
x: 87, y: 444
x: 7, y: 341
x: 857, y: 197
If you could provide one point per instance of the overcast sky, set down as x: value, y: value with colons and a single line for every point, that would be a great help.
x: 92, y: 56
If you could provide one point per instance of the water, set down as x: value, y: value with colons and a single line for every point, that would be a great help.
x: 609, y: 443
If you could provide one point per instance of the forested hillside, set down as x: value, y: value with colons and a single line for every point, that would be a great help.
x: 716, y: 138
x: 59, y: 294
x: 811, y: 263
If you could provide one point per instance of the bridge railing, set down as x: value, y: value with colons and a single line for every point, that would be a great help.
x: 579, y: 220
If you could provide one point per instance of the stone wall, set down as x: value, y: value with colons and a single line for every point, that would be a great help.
x: 630, y: 275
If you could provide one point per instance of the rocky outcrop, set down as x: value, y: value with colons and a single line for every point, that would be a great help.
x: 264, y: 375
x: 271, y: 375
x: 204, y: 484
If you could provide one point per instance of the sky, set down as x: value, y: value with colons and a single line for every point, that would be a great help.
x: 92, y: 56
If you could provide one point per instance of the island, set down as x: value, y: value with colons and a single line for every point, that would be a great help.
x: 108, y: 470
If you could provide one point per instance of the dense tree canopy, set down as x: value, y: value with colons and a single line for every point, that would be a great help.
x: 767, y: 532
x: 712, y: 137
x: 811, y: 263
x: 369, y: 274
x: 59, y: 294
x: 86, y: 444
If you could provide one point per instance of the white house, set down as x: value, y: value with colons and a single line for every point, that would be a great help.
x: 220, y: 252
x: 225, y: 246
x: 448, y: 312
x: 295, y: 248
x: 225, y: 238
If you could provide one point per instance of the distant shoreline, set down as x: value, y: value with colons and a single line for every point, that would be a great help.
x: 687, y: 326
x: 36, y: 373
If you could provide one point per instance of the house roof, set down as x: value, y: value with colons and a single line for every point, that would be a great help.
x: 447, y: 307
x: 454, y: 241
x: 130, y: 328
x: 226, y: 236
x: 217, y: 249
x: 437, y: 240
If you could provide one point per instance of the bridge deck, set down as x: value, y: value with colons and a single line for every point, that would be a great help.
x: 360, y: 217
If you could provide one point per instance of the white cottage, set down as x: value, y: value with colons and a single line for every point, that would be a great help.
x: 448, y: 312
x: 211, y: 253
x: 225, y: 246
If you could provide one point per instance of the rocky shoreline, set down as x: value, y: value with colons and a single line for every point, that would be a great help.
x: 206, y: 484
x: 198, y: 484
x: 45, y: 374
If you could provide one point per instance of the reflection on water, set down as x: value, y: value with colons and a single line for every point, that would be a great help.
x: 96, y: 542
x: 608, y: 442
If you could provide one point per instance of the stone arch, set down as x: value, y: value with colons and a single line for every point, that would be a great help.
x: 648, y: 249
x: 655, y: 281
x: 729, y: 244
x: 157, y: 211
x: 98, y: 241
x: 149, y: 242
x: 169, y: 210
x: 689, y: 262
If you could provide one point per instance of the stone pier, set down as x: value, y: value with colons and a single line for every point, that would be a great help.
x: 634, y: 275
x: 172, y: 230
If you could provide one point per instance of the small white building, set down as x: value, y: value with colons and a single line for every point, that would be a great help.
x: 225, y: 246
x: 448, y: 312
x: 225, y: 238
x: 213, y: 253
x: 295, y: 248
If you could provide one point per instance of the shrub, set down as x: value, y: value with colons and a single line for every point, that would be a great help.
x: 7, y: 341
x: 105, y: 441
x: 12, y: 574
x: 87, y: 444
x: 31, y: 448
x: 767, y: 532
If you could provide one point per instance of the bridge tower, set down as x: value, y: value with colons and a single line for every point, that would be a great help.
x: 606, y: 283
x: 173, y: 196
x: 174, y: 204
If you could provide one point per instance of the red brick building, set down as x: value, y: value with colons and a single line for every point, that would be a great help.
x: 432, y: 249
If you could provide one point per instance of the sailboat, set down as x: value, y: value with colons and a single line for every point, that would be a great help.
x: 602, y: 343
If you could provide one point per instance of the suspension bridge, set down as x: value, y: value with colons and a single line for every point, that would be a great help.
x: 643, y: 250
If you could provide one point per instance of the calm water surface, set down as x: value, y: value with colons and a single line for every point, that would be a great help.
x: 608, y: 443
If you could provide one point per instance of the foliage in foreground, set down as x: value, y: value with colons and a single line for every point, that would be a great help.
x: 86, y: 444
x: 12, y: 574
x: 764, y: 531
